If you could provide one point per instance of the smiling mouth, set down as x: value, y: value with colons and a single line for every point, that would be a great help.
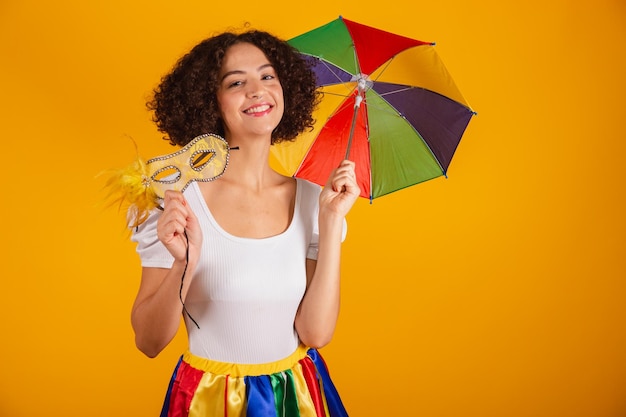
x: 258, y: 109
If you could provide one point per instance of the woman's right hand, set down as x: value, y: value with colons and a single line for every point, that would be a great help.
x: 176, y: 220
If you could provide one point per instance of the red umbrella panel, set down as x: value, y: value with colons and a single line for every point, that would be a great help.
x: 389, y: 104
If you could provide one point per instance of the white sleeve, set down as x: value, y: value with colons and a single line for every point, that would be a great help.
x: 315, y: 236
x: 150, y: 249
x: 314, y: 243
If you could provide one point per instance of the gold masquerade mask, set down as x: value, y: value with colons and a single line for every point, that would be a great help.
x: 203, y: 159
x: 142, y: 185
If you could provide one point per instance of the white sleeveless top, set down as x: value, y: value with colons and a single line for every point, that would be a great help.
x: 245, y: 292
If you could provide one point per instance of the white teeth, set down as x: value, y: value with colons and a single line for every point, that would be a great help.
x: 258, y: 109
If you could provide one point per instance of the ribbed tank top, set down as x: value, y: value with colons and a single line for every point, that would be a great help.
x: 245, y: 292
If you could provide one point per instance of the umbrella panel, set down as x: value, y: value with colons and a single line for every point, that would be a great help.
x: 420, y: 67
x: 330, y: 42
x: 327, y: 73
x: 373, y: 47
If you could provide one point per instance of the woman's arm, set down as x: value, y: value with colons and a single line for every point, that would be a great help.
x: 319, y: 309
x: 156, y: 313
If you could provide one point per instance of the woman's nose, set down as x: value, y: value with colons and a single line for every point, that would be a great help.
x: 255, y: 89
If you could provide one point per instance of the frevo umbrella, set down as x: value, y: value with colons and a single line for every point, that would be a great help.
x: 389, y: 104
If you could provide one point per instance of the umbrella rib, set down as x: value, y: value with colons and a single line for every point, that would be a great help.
x: 410, y: 87
x: 338, y: 94
x: 385, y: 109
x: 385, y: 68
x: 399, y: 91
x: 389, y: 63
x: 341, y: 107
x: 326, y: 64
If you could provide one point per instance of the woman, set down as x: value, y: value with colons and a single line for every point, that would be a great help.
x: 259, y: 252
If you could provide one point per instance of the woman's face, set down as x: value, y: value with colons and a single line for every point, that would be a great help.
x: 249, y: 95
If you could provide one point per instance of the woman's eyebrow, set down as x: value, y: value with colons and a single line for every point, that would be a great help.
x: 239, y: 72
x: 229, y: 73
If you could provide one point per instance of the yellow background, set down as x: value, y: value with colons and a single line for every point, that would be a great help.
x: 497, y: 292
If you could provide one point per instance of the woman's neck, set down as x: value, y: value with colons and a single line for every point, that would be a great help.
x: 249, y: 163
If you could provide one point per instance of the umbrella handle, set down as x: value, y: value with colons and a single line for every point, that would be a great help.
x: 357, y: 104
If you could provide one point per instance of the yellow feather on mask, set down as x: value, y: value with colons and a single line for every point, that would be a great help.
x: 129, y: 189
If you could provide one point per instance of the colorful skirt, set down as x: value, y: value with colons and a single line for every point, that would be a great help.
x: 297, y: 386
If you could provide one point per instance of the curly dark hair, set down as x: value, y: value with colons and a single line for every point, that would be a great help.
x: 185, y: 102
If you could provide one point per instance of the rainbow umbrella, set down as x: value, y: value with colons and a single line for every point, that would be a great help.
x: 389, y: 104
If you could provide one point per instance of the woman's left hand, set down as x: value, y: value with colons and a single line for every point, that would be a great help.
x: 341, y: 190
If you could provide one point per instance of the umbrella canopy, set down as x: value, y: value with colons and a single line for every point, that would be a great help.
x: 389, y: 104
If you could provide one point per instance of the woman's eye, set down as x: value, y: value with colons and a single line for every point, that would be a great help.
x: 268, y: 77
x: 235, y: 84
